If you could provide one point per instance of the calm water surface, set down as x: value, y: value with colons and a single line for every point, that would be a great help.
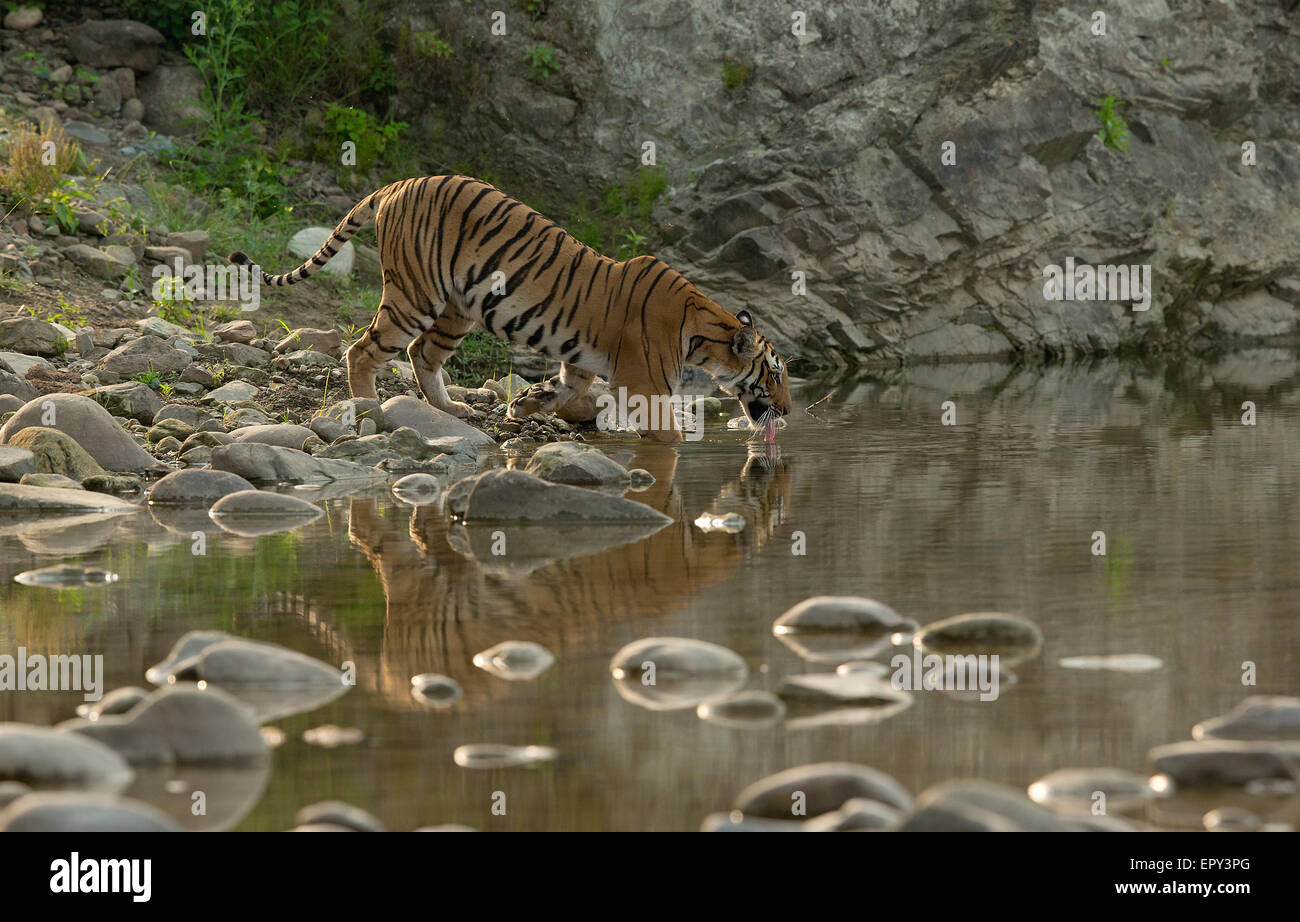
x: 994, y: 513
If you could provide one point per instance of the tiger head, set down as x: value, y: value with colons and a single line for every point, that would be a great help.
x: 752, y: 372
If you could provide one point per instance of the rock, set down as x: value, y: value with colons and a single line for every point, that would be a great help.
x: 435, y: 691
x: 20, y: 500
x: 11, y: 385
x: 20, y: 364
x: 157, y: 326
x: 79, y: 811
x: 196, y: 487
x: 32, y: 337
x: 576, y: 463
x: 232, y: 392
x: 272, y: 464
x: 337, y: 813
x: 839, y: 628
x: 168, y: 429
x: 132, y: 399
x: 1216, y: 762
x: 55, y: 452
x: 240, y: 354
x: 752, y: 709
x: 115, y: 43
x: 1076, y: 789
x: 306, y: 358
x: 50, y: 480
x: 508, y: 387
x: 179, y: 725
x: 285, y: 435
x: 307, y: 241
x: 118, y: 701
x: 735, y: 822
x: 327, y: 342
x: 670, y: 673
x: 1012, y: 637
x: 11, y: 791
x: 236, y: 663
x: 146, y: 354
x: 86, y: 422
x: 825, y: 786
x: 23, y: 18
x: 88, y: 134
x: 515, y: 660
x: 1259, y: 717
x: 417, y: 489
x: 195, y: 241
x: 585, y: 407
x: 15, y: 463
x: 45, y: 757
x: 429, y: 421
x: 841, y: 699
x: 500, y: 755
x: 106, y: 263
x: 964, y: 805
x: 516, y: 496
x: 354, y: 410
x: 125, y: 485
x: 245, y: 416
x: 235, y: 331
x: 254, y: 512
x: 171, y: 98
x: 327, y: 429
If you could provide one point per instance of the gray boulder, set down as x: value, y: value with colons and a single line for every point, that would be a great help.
x: 138, y: 356
x: 131, y: 399
x: 69, y: 811
x: 115, y: 43
x: 31, y: 336
x: 86, y: 422
x: 576, y: 463
x: 41, y: 756
x: 264, y: 464
x: 429, y: 421
x: 194, y: 486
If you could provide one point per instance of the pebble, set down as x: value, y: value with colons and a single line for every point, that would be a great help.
x: 515, y: 660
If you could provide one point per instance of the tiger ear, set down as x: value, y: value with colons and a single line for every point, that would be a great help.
x: 744, y: 318
x: 744, y: 342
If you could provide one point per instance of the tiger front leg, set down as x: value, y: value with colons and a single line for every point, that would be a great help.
x: 428, y: 353
x: 553, y: 393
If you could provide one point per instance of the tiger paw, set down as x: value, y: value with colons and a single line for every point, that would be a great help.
x: 458, y: 409
x: 541, y: 397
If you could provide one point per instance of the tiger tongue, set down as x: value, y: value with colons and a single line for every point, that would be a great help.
x: 770, y: 434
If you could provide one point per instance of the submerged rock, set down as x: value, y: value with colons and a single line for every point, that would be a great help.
x: 1259, y: 717
x: 273, y: 680
x: 861, y: 814
x: 63, y: 576
x: 516, y: 660
x: 670, y: 673
x: 1012, y: 637
x: 178, y: 724
x: 980, y: 806
x: 831, y: 698
x: 515, y: 496
x: 819, y: 788
x: 118, y: 701
x: 255, y: 512
x: 45, y: 757
x: 743, y: 710
x: 839, y: 628
x: 80, y: 811
x: 1076, y: 789
x: 435, y: 691
x: 1214, y: 762
x: 501, y: 755
x: 338, y: 813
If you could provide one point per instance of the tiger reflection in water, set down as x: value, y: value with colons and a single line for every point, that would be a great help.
x: 444, y: 606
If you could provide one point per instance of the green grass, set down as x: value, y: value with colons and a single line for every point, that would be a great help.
x: 735, y: 74
x: 479, y: 357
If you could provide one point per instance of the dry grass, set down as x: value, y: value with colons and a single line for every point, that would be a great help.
x: 33, y: 162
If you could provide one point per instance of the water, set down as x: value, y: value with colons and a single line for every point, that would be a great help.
x: 995, y: 513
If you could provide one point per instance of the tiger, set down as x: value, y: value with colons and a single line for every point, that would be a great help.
x: 455, y: 251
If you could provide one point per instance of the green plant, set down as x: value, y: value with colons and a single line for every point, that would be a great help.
x: 638, y: 195
x: 541, y: 60
x: 150, y: 377
x: 633, y: 245
x: 1114, y: 130
x: 430, y: 46
x: 371, y: 136
x: 735, y: 74
x: 166, y: 389
x: 479, y: 356
x: 37, y: 163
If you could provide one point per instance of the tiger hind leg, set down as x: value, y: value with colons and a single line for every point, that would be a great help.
x: 430, y: 350
x: 395, y: 324
x: 549, y: 395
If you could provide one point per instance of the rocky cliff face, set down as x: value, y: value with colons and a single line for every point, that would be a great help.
x: 827, y: 157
